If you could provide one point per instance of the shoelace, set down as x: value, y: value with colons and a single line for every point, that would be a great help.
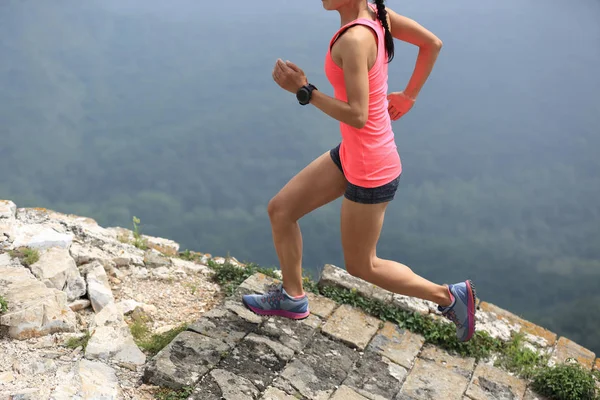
x: 451, y: 315
x: 273, y: 295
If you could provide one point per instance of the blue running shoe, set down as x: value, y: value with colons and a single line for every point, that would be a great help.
x: 462, y: 309
x: 278, y: 302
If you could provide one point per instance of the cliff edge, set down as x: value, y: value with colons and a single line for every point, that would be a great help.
x: 88, y: 312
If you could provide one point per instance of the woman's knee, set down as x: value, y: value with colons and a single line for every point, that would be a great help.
x: 277, y: 210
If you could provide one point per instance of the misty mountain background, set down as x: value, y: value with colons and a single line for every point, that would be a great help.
x: 167, y: 111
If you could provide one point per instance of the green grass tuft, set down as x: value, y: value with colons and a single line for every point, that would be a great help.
x: 3, y: 305
x: 172, y: 394
x: 155, y: 342
x: 74, y: 342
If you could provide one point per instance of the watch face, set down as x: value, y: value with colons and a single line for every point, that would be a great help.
x: 302, y: 95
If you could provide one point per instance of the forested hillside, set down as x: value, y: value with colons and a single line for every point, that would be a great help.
x: 169, y: 113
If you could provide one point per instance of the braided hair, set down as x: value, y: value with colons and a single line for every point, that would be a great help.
x: 389, y: 39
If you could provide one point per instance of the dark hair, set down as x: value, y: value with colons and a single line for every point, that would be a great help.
x: 389, y: 39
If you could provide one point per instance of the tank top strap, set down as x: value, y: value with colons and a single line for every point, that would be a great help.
x: 375, y: 25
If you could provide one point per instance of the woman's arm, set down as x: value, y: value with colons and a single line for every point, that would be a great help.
x: 410, y: 31
x: 354, y: 47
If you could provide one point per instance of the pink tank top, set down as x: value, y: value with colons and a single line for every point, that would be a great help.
x: 369, y: 155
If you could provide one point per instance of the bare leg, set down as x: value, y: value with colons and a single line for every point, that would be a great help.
x: 317, y: 184
x: 361, y: 228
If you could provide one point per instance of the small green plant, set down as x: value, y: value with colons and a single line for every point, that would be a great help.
x: 31, y: 256
x: 193, y: 287
x: 26, y: 255
x: 138, y: 240
x: 230, y: 276
x: 187, y: 255
x: 75, y: 342
x: 171, y: 394
x: 565, y: 382
x: 3, y: 305
x: 155, y: 342
x: 516, y: 358
x: 139, y: 330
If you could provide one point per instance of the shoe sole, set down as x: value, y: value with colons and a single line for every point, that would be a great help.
x: 471, y: 309
x: 278, y: 313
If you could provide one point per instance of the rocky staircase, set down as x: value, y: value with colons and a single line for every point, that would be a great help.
x: 339, y: 353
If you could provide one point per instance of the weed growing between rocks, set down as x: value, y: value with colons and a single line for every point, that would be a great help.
x: 229, y: 277
x: 561, y: 382
x: 26, y: 256
x: 138, y: 241
x: 171, y: 394
x: 3, y: 305
x: 153, y: 343
x: 76, y: 342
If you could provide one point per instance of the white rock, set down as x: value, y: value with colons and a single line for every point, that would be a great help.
x: 140, y: 273
x: 57, y: 267
x: 79, y: 305
x: 165, y: 329
x: 98, y: 381
x: 84, y: 254
x: 111, y: 338
x: 165, y: 246
x: 155, y: 259
x: 99, y: 291
x: 25, y: 394
x: 127, y: 306
x: 8, y: 209
x: 412, y: 304
x: 41, y: 237
x: 87, y: 380
x: 191, y: 267
x: 161, y: 273
x: 6, y: 377
x: 497, y: 328
x: 34, y: 309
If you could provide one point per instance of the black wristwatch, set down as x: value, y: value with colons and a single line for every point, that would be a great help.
x: 305, y: 93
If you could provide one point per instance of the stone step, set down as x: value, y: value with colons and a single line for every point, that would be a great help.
x: 338, y: 352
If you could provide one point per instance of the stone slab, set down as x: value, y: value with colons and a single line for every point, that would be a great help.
x: 346, y: 393
x: 185, y: 360
x: 256, y: 284
x: 221, y: 384
x: 431, y: 381
x: 220, y: 323
x: 257, y: 359
x: 548, y: 337
x: 333, y: 276
x: 34, y: 310
x: 351, y: 326
x: 319, y: 370
x: 272, y: 393
x: 291, y: 333
x: 8, y: 209
x: 399, y: 345
x: 320, y: 305
x: 236, y: 306
x: 531, y: 395
x: 461, y: 365
x: 493, y: 383
x: 413, y: 304
x: 376, y: 377
x: 567, y: 349
x: 597, y: 365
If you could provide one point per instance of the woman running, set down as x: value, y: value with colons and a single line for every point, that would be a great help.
x: 365, y: 167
